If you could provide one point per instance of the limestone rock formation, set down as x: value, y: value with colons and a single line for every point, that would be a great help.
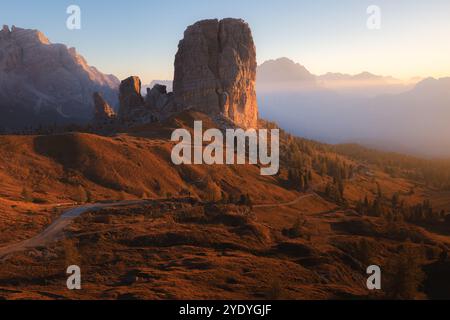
x: 134, y: 109
x: 167, y: 83
x: 215, y: 71
x: 130, y: 96
x: 103, y: 113
x: 44, y: 83
x: 158, y: 98
x: 130, y: 92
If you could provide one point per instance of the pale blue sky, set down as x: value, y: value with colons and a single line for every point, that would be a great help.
x: 140, y: 37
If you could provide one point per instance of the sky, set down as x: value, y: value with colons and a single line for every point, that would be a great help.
x: 140, y: 37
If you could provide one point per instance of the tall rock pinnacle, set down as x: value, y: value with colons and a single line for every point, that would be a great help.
x: 130, y: 96
x: 215, y: 71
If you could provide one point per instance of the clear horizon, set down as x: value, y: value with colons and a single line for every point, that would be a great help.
x: 141, y: 37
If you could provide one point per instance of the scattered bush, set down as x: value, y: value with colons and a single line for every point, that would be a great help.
x: 297, y: 230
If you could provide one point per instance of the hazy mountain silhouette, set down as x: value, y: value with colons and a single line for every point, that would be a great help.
x: 284, y: 74
x: 415, y: 121
x: 43, y: 83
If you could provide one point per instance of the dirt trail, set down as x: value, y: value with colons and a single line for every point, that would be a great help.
x: 55, y: 230
x: 291, y: 203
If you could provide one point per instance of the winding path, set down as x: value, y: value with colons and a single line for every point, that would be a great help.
x: 56, y: 230
x: 291, y: 203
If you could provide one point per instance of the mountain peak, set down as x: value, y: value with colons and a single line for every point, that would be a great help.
x: 42, y: 82
x: 284, y: 70
x: 24, y: 35
x: 365, y: 75
x: 283, y: 61
x: 431, y: 84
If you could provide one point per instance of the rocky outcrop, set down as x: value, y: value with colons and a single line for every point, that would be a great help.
x: 215, y: 71
x: 158, y: 98
x: 103, y: 113
x: 130, y: 97
x: 134, y: 109
x: 43, y: 83
x: 167, y: 83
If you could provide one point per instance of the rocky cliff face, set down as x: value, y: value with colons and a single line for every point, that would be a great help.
x: 130, y: 96
x: 158, y: 98
x: 45, y: 83
x: 215, y: 71
x: 103, y: 113
x: 134, y: 109
x: 41, y: 82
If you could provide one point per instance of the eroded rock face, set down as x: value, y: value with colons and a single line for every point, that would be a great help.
x: 103, y: 111
x: 215, y: 71
x: 46, y: 83
x: 158, y: 98
x: 130, y: 96
x: 134, y: 109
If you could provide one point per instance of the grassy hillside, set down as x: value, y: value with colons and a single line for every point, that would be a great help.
x: 307, y: 233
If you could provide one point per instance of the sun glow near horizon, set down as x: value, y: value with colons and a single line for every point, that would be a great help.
x: 323, y: 36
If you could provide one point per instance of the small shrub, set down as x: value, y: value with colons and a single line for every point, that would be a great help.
x: 297, y: 230
x: 39, y: 201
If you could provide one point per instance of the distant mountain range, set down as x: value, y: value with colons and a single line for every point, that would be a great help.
x: 284, y: 70
x: 284, y: 74
x: 365, y: 108
x: 45, y: 83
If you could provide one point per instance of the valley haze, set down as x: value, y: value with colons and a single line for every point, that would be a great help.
x: 376, y: 111
x: 289, y: 151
